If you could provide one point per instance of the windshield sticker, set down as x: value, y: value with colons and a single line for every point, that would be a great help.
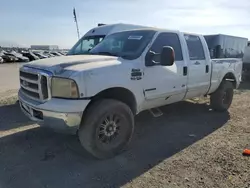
x: 135, y: 37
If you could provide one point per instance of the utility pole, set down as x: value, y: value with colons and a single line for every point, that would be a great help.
x: 75, y: 18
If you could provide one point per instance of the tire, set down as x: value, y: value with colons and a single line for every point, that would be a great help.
x: 95, y: 134
x: 222, y: 98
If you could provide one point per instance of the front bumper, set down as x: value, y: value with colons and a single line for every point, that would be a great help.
x: 61, y: 115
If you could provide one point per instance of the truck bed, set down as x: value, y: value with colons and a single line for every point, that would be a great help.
x: 221, y: 66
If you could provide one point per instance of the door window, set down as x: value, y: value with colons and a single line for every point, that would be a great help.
x: 167, y: 39
x: 195, y: 47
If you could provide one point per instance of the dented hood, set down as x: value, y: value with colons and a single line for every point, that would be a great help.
x: 66, y: 65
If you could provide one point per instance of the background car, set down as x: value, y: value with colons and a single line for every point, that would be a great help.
x: 19, y: 56
x: 56, y: 53
x: 49, y: 54
x: 1, y: 60
x: 8, y: 57
x: 40, y: 55
x: 30, y: 55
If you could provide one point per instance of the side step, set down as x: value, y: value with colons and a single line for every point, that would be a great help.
x: 156, y: 112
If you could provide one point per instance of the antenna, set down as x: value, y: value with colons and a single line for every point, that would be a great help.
x: 75, y: 18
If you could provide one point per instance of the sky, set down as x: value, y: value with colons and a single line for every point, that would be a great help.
x: 30, y: 22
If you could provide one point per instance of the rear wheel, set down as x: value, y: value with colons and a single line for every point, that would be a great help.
x: 222, y: 98
x: 107, y: 128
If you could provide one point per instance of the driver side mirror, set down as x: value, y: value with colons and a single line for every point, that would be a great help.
x: 167, y: 56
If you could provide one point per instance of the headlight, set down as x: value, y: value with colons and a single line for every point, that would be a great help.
x: 63, y: 87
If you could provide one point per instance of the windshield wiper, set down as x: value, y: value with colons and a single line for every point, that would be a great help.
x: 126, y: 56
x: 111, y: 54
x: 105, y: 53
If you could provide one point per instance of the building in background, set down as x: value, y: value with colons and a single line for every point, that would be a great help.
x: 44, y: 47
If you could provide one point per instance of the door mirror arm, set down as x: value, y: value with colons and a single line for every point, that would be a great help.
x: 149, y: 59
x: 167, y: 57
x: 154, y: 53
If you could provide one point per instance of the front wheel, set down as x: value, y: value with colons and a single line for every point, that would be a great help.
x: 107, y: 128
x: 222, y: 98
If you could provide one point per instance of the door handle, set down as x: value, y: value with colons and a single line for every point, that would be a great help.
x: 185, y: 70
x: 207, y: 68
x: 197, y: 63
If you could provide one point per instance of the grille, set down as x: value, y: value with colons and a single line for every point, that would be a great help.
x: 34, y: 84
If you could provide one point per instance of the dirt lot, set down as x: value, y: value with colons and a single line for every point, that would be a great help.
x: 9, y: 82
x: 189, y: 146
x: 9, y: 76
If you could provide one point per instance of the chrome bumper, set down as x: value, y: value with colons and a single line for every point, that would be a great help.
x: 66, y: 122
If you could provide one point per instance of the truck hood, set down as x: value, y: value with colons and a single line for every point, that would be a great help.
x: 64, y: 65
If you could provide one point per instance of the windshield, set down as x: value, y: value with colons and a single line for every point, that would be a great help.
x: 85, y: 44
x: 127, y: 44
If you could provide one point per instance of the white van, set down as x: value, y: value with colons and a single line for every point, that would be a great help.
x: 97, y: 34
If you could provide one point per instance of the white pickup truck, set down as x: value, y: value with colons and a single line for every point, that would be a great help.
x: 97, y: 95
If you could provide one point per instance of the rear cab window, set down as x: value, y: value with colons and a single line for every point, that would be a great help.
x: 195, y: 47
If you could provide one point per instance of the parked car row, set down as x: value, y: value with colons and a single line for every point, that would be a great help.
x: 26, y: 56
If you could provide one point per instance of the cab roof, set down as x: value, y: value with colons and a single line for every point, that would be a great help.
x: 114, y: 28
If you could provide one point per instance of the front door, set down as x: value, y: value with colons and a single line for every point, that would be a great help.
x: 164, y: 84
x: 198, y: 70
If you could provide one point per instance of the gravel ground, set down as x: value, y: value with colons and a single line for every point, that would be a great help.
x: 189, y: 146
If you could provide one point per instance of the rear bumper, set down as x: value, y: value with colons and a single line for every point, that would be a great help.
x: 59, y: 114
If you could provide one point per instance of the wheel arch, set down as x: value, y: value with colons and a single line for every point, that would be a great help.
x: 118, y: 93
x: 230, y: 77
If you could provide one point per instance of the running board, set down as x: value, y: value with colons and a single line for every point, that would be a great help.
x: 156, y: 112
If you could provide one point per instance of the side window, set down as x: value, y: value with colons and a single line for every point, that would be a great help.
x: 168, y: 39
x: 84, y: 46
x: 195, y: 48
x: 88, y: 43
x: 77, y: 50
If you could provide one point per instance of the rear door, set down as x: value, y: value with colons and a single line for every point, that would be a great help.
x: 198, y: 67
